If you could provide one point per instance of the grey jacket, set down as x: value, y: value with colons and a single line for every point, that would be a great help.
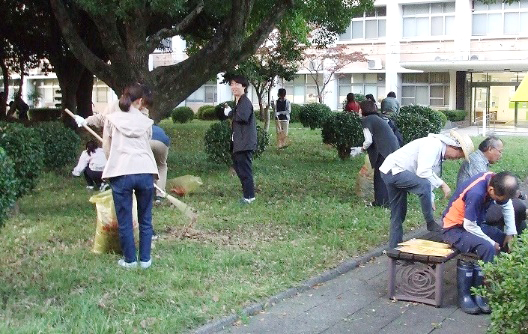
x: 244, y: 126
x: 390, y: 104
x: 384, y: 142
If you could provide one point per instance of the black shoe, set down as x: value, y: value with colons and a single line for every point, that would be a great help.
x: 434, y: 227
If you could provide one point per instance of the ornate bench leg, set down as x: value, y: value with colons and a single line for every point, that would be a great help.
x: 392, y: 277
x: 439, y: 284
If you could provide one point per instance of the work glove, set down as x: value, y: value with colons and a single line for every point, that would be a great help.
x: 227, y: 110
x: 79, y: 120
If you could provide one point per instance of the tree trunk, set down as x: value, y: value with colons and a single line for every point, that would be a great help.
x: 84, y: 94
x: 3, y: 99
x: 267, y: 121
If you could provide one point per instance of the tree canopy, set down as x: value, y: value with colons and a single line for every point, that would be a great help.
x: 220, y: 34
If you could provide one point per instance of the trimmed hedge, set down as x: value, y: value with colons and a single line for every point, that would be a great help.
x: 313, y: 115
x: 507, y: 290
x: 206, y: 112
x: 60, y: 144
x: 44, y: 114
x: 343, y: 130
x: 295, y: 111
x: 25, y: 150
x: 416, y: 122
x: 8, y: 184
x: 455, y: 115
x: 182, y: 115
x: 217, y: 142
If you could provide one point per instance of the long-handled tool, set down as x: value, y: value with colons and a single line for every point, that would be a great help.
x: 184, y: 208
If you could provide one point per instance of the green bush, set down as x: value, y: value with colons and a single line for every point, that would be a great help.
x: 343, y: 130
x: 206, y: 112
x: 455, y: 115
x: 8, y: 184
x: 217, y: 142
x: 182, y: 115
x: 25, y: 150
x: 295, y: 111
x: 44, y: 114
x: 507, y: 289
x: 60, y: 144
x: 313, y: 115
x: 443, y: 117
x: 416, y: 122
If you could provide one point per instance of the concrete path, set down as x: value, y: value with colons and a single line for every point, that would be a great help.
x: 356, y: 302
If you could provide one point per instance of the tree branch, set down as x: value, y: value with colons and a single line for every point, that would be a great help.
x: 154, y: 41
x: 95, y: 64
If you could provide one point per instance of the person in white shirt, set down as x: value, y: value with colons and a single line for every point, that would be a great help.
x: 416, y: 168
x: 92, y: 163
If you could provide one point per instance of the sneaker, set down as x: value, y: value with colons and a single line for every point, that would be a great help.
x: 89, y: 187
x: 158, y: 199
x: 145, y: 265
x: 244, y: 200
x: 104, y: 186
x: 127, y: 265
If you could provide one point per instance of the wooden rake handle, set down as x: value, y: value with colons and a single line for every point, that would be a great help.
x: 85, y: 126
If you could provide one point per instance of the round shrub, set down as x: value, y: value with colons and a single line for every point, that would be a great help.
x: 25, y: 150
x: 217, y: 142
x: 60, y: 144
x: 8, y: 184
x: 313, y: 115
x: 206, y: 113
x: 182, y: 115
x: 416, y: 122
x: 44, y: 114
x: 455, y: 115
x: 506, y: 289
x: 295, y: 111
x: 343, y: 130
x: 443, y: 117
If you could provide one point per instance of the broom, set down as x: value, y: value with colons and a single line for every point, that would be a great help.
x: 184, y: 208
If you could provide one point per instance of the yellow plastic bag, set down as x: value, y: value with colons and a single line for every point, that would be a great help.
x: 365, y: 181
x: 106, y: 231
x: 184, y: 184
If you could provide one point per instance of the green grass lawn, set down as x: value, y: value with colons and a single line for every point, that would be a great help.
x: 305, y: 220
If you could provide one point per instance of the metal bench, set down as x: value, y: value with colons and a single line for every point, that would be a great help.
x: 417, y: 278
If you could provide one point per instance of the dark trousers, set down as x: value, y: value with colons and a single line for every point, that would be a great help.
x: 93, y: 178
x: 494, y: 215
x: 467, y: 242
x: 381, y: 196
x: 397, y: 187
x: 242, y: 163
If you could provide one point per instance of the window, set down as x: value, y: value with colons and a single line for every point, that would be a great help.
x: 369, y: 25
x: 361, y: 83
x: 302, y: 89
x: 165, y: 46
x: 427, y: 89
x: 500, y: 19
x: 426, y: 20
x: 49, y: 91
x: 206, y: 93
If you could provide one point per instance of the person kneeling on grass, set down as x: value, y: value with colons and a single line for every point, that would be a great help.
x: 92, y: 163
x: 465, y: 229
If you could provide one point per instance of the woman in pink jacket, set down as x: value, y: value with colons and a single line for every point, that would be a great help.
x: 131, y: 168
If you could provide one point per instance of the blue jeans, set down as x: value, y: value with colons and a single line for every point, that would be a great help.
x: 122, y: 187
x: 397, y: 187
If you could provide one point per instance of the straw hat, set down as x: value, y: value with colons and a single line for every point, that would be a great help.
x: 464, y: 142
x: 457, y: 140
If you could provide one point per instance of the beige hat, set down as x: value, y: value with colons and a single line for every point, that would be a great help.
x: 463, y: 141
x: 457, y: 140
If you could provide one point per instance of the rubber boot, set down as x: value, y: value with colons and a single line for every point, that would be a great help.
x: 478, y: 279
x: 464, y: 283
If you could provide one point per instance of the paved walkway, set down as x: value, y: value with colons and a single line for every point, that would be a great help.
x: 356, y: 302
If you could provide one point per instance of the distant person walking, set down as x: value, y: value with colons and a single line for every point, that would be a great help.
x: 352, y: 104
x: 244, y: 136
x: 390, y: 105
x: 282, y: 109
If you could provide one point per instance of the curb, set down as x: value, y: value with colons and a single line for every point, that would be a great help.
x: 220, y: 324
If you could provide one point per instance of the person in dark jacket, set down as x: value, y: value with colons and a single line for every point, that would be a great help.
x: 380, y: 141
x: 244, y: 137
